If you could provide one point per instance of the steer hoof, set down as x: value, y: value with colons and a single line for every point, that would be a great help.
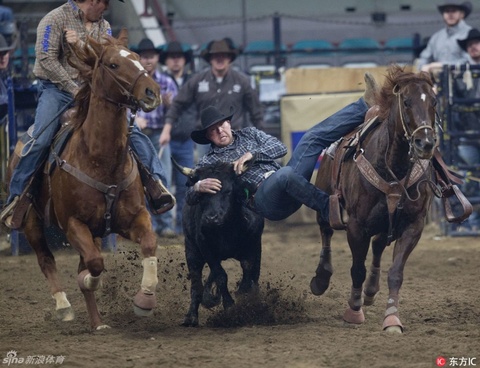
x: 190, y: 321
x: 355, y: 317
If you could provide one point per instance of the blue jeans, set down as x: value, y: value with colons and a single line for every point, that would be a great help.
x: 283, y: 192
x: 50, y: 102
x: 182, y: 153
x: 165, y: 220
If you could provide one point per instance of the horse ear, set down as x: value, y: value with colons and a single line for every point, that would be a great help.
x: 123, y: 37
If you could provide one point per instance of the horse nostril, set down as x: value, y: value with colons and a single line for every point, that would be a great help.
x: 150, y: 93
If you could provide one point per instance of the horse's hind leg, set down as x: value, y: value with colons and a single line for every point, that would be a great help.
x: 320, y: 282
x: 372, y: 285
x: 35, y: 235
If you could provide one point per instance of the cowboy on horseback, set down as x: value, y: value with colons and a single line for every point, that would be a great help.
x: 58, y: 84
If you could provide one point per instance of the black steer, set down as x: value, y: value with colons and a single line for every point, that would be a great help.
x: 216, y: 228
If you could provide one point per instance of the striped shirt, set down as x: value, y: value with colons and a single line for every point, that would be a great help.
x: 52, y: 50
x: 264, y: 148
x: 156, y: 118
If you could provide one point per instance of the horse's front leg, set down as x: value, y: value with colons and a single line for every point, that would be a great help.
x: 320, y: 282
x: 90, y: 267
x: 141, y: 232
x: 372, y: 285
x: 34, y: 232
x: 359, y: 244
x: 403, y: 247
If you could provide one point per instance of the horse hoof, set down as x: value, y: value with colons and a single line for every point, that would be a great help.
x: 394, y: 330
x: 392, y: 324
x: 369, y: 300
x: 102, y: 327
x: 65, y: 314
x: 355, y: 317
x: 318, y: 287
x: 145, y: 302
x: 142, y: 312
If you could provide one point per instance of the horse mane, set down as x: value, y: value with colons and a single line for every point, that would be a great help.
x: 395, y: 80
x: 81, y: 58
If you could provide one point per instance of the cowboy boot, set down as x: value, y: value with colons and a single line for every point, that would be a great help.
x: 160, y: 199
x: 371, y: 90
x: 13, y: 214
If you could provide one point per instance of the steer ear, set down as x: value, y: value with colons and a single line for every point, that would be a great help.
x: 184, y: 170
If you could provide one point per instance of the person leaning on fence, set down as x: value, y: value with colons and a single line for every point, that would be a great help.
x: 442, y: 47
x: 57, y: 84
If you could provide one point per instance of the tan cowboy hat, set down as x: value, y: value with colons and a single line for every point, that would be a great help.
x: 224, y: 46
x: 466, y: 6
x: 473, y: 34
x: 175, y: 47
x: 208, y: 117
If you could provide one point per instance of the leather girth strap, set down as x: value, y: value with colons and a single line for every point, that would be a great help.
x: 110, y: 192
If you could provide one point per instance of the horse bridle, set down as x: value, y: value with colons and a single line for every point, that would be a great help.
x: 126, y: 92
x: 409, y: 136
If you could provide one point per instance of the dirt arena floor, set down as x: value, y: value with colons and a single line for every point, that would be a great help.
x: 286, y: 327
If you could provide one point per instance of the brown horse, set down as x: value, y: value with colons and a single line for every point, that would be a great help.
x: 382, y: 178
x: 95, y: 187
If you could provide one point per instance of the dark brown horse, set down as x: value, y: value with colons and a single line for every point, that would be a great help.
x: 383, y: 183
x: 95, y: 187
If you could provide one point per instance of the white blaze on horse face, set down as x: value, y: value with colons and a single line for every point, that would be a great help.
x: 137, y: 63
x: 423, y: 97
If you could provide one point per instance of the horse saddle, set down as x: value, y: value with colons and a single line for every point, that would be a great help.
x: 456, y: 205
x: 57, y: 146
x: 339, y: 152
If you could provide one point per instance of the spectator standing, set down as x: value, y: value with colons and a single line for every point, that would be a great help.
x: 442, y: 48
x: 220, y: 86
x: 469, y: 121
x: 151, y: 124
x: 57, y: 85
x: 5, y: 50
x: 176, y: 58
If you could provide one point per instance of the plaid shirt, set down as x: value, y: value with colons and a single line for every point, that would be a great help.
x: 264, y: 148
x: 52, y: 50
x: 156, y: 118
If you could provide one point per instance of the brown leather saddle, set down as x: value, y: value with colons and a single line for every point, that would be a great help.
x: 457, y: 207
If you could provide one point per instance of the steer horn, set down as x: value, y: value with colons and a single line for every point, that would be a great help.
x: 184, y: 170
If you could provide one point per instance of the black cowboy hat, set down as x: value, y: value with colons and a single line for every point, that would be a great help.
x: 208, y: 117
x: 473, y: 34
x: 175, y: 47
x: 466, y: 6
x: 224, y: 46
x: 145, y: 45
x: 4, y: 46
